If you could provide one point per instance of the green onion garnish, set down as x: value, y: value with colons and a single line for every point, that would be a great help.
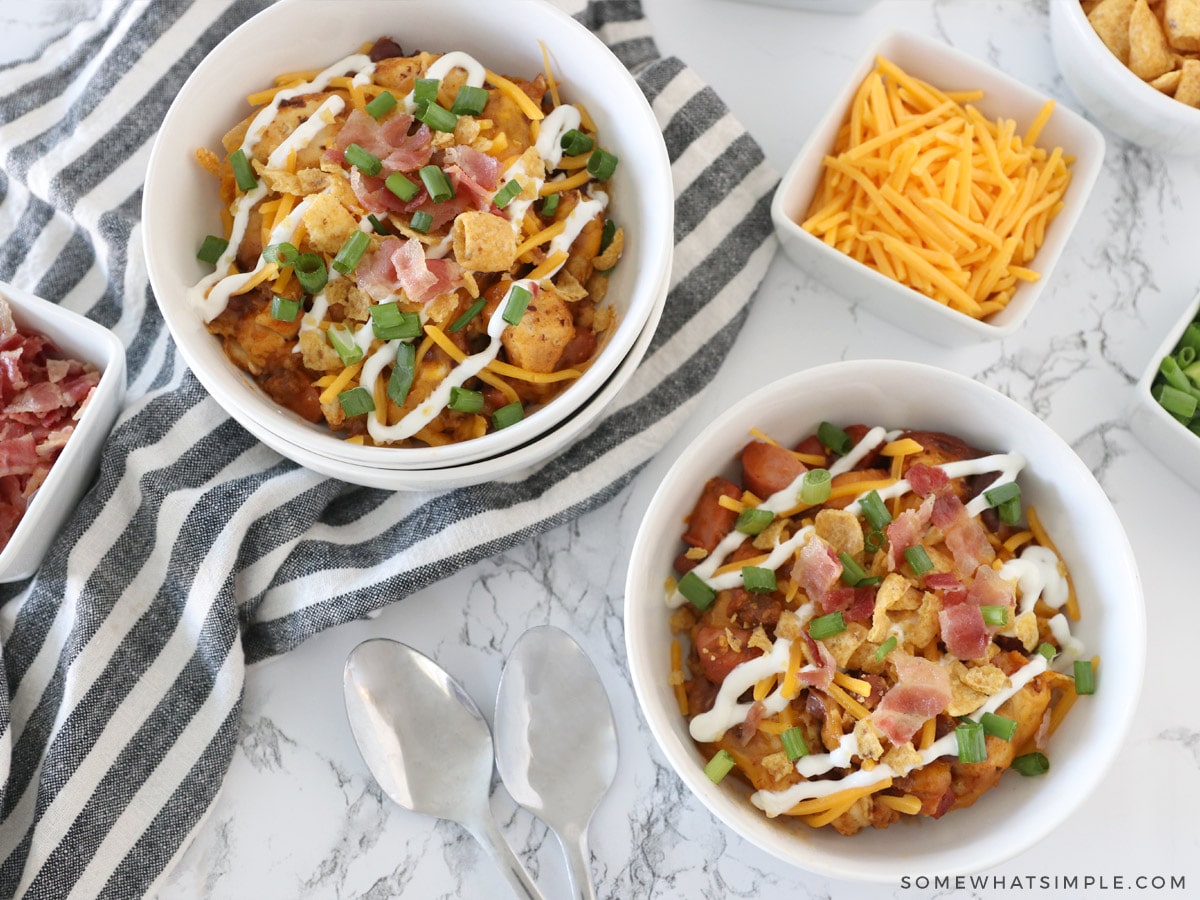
x: 284, y: 309
x: 719, y: 766
x: 465, y: 401
x: 402, y: 187
x: 421, y: 221
x: 758, y: 580
x: 508, y: 415
x: 517, y: 303
x: 282, y: 254
x: 918, y: 559
x: 425, y: 90
x: 310, y: 272
x: 505, y: 195
x: 356, y: 401
x: 402, y: 373
x: 436, y: 183
x: 852, y: 573
x: 827, y: 626
x: 243, y: 174
x: 367, y: 163
x: 972, y: 744
x: 469, y: 101
x: 1002, y: 494
x: 1186, y: 356
x: 550, y: 205
x: 1176, y: 401
x: 815, y: 487
x: 575, y: 142
x: 1047, y: 650
x: 873, y: 540
x: 472, y: 311
x: 1010, y: 511
x: 873, y: 509
x: 994, y: 615
x: 390, y: 323
x: 601, y: 164
x: 885, y: 648
x: 352, y: 251
x: 437, y: 117
x: 834, y: 439
x: 752, y: 521
x: 607, y: 234
x: 210, y: 251
x: 794, y: 744
x: 379, y: 227
x: 1032, y: 764
x: 343, y: 342
x: 381, y: 105
x: 998, y: 726
x: 697, y: 591
x: 1085, y: 677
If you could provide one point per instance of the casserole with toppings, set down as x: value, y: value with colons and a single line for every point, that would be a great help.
x: 876, y: 626
x: 416, y: 248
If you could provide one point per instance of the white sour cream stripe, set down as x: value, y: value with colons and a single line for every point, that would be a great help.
x: 442, y: 66
x: 1037, y: 575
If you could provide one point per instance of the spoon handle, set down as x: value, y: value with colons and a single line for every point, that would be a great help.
x: 579, y: 865
x: 514, y: 873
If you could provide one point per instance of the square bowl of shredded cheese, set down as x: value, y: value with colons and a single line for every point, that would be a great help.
x: 938, y: 191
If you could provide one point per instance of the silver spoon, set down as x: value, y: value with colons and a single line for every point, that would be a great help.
x: 556, y: 743
x: 426, y: 744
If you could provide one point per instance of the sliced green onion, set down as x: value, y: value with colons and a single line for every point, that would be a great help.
x: 284, y: 254
x: 1170, y: 370
x: 1193, y: 372
x: 505, y: 195
x: 873, y: 540
x: 607, y: 234
x: 873, y: 509
x: 1047, y: 650
x: 390, y: 323
x: 972, y: 744
x: 752, y: 521
x: 436, y: 183
x: 402, y: 373
x: 998, y: 726
x: 367, y: 163
x: 1085, y: 677
x: 1176, y: 401
x: 869, y: 581
x: 508, y: 415
x: 402, y: 187
x: 1186, y: 356
x: 344, y: 344
x: 381, y: 105
x: 421, y: 221
x: 834, y: 439
x: 310, y: 272
x: 885, y: 648
x: 1032, y: 764
x: 794, y: 744
x: 469, y: 101
x: 918, y: 559
x: 698, y: 592
x: 284, y: 309
x: 852, y: 572
x: 243, y: 173
x: 719, y: 766
x: 827, y: 626
x: 348, y: 257
x: 575, y: 142
x: 356, y: 401
x: 758, y: 580
x: 472, y: 311
x: 815, y: 487
x: 465, y: 401
x: 994, y: 615
x: 426, y: 90
x: 379, y: 227
x: 601, y: 164
x: 1002, y: 494
x: 211, y: 249
x: 517, y: 303
x: 436, y: 117
x: 550, y: 204
x: 1010, y: 511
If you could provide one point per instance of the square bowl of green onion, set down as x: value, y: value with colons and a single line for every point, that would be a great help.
x: 1166, y: 412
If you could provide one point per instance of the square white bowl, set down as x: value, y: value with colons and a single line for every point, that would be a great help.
x: 951, y: 70
x: 78, y: 338
x: 1163, y: 435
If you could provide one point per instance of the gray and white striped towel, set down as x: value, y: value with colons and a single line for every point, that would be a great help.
x: 199, y: 550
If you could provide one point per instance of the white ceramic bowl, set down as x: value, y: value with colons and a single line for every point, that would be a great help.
x: 1165, y: 437
x: 80, y: 338
x: 948, y: 69
x: 1019, y: 811
x: 213, y: 99
x: 1112, y: 93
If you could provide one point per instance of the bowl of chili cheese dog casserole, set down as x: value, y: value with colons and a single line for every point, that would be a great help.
x: 897, y: 597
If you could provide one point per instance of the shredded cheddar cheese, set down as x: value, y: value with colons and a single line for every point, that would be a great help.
x: 677, y: 682
x: 908, y: 804
x: 838, y: 799
x: 850, y: 683
x: 730, y: 503
x: 518, y: 96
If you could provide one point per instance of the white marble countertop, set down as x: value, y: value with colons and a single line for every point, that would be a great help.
x: 299, y: 815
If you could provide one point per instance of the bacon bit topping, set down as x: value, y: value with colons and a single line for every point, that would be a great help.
x: 922, y: 692
x: 926, y: 480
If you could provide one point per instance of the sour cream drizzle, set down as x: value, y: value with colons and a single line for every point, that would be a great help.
x: 1037, y: 576
x: 443, y: 65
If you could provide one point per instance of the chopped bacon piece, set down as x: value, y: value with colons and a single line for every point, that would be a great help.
x: 906, y: 531
x: 18, y: 456
x: 989, y: 589
x: 767, y: 468
x: 948, y: 585
x: 398, y: 150
x: 750, y: 725
x: 963, y: 631
x: 402, y: 264
x: 482, y: 168
x: 965, y: 536
x: 818, y: 675
x: 817, y: 568
x: 863, y: 607
x: 922, y: 691
x: 836, y: 600
x: 926, y: 480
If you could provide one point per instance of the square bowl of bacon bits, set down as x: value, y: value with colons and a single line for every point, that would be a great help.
x: 876, y: 646
x: 62, y: 381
